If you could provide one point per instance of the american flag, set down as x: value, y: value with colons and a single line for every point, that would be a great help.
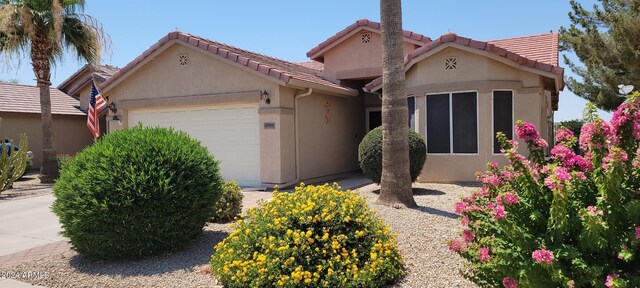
x: 96, y: 104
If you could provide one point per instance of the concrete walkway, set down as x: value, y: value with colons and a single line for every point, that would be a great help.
x: 27, y: 223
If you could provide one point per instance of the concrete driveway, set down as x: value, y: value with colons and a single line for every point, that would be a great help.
x: 27, y: 223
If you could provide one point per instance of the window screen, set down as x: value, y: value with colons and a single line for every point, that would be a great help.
x: 438, y: 124
x: 465, y: 122
x: 502, y: 116
x: 411, y: 104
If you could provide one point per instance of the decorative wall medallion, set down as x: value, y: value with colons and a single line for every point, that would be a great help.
x: 451, y: 63
x: 183, y: 59
x: 366, y: 38
x: 327, y: 113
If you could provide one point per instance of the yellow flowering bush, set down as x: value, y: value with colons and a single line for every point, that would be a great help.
x: 317, y: 236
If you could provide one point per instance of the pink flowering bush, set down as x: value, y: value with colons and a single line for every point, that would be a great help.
x: 568, y: 220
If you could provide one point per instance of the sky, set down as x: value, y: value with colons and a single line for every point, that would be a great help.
x: 289, y: 29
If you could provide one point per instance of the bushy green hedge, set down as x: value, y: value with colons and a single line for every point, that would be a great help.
x: 137, y: 192
x: 370, y: 154
x: 318, y: 236
x: 230, y: 203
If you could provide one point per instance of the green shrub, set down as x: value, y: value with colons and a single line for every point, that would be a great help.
x: 63, y: 159
x: 370, y: 154
x: 137, y: 192
x: 230, y: 204
x: 317, y: 236
x: 12, y: 167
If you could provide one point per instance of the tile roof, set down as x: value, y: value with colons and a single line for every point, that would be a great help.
x: 277, y: 69
x: 313, y: 65
x: 18, y: 98
x: 542, y: 48
x: 102, y: 73
x: 537, y: 52
x: 362, y: 23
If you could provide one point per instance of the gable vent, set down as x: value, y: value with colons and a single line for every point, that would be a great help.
x: 183, y: 60
x: 366, y: 38
x: 451, y: 63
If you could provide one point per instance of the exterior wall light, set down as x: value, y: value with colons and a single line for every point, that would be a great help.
x: 265, y: 97
x: 112, y: 107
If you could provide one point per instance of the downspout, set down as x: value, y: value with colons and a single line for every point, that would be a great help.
x: 295, y: 136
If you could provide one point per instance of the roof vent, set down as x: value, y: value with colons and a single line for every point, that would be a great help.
x: 183, y: 59
x: 451, y: 63
x: 366, y: 38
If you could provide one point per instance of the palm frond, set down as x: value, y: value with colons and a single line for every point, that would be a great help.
x: 14, y: 41
x: 21, y: 21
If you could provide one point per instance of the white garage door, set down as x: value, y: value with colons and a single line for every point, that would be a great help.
x: 231, y: 133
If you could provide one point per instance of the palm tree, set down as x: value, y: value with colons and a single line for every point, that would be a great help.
x: 44, y: 29
x: 395, y: 184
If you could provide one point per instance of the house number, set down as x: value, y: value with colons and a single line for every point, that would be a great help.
x: 270, y: 125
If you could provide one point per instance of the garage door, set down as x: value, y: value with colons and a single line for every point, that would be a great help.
x: 231, y: 133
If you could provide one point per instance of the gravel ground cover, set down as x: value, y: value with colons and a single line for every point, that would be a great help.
x: 423, y: 232
x: 422, y: 235
x: 27, y: 186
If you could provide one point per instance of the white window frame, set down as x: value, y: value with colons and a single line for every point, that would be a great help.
x: 451, y: 153
x: 513, y: 117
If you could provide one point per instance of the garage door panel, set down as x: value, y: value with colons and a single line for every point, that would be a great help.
x: 230, y: 133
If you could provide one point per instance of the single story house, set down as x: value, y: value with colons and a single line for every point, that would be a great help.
x: 20, y: 113
x: 270, y: 121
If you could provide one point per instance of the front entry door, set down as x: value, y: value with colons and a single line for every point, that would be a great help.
x: 374, y: 119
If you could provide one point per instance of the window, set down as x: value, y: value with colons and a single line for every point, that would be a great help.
x: 411, y: 105
x: 502, y: 116
x: 452, y: 123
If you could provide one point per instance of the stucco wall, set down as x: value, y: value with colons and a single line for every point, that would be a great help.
x: 331, y: 129
x: 162, y: 83
x: 83, y: 96
x: 70, y: 132
x: 352, y: 59
x: 474, y: 73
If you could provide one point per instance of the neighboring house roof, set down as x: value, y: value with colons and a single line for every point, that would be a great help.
x: 534, y: 52
x: 18, y: 98
x: 276, y: 69
x: 101, y: 73
x: 542, y: 48
x: 313, y: 65
x: 104, y: 72
x: 317, y: 52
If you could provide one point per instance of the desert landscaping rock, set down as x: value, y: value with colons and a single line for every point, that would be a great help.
x: 422, y: 235
x: 423, y: 232
x: 25, y: 187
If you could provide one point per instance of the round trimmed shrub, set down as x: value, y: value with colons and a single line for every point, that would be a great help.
x: 230, y: 204
x: 317, y: 236
x: 370, y: 154
x: 137, y: 192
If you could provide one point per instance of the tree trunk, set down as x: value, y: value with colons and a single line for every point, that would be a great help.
x: 395, y: 184
x: 41, y: 50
